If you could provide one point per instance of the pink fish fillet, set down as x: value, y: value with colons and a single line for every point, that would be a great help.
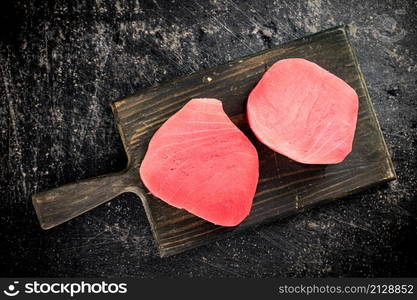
x: 304, y: 112
x: 200, y: 161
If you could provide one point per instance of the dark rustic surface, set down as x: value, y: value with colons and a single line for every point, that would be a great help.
x: 62, y: 65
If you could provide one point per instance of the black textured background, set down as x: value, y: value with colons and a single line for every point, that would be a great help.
x: 62, y: 64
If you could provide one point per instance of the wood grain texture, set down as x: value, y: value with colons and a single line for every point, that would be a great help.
x: 56, y: 206
x: 285, y: 187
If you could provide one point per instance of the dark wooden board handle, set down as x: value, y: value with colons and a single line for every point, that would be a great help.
x: 56, y: 206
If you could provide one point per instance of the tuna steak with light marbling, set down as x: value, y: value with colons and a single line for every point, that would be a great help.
x: 304, y: 112
x: 200, y: 161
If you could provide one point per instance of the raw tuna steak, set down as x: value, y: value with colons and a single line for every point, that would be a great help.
x: 200, y: 161
x: 304, y: 112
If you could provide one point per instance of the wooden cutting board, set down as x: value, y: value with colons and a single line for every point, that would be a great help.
x: 285, y: 187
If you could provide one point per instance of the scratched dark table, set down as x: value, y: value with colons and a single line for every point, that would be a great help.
x: 61, y: 65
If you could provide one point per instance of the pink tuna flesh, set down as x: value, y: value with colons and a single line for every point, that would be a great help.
x: 304, y: 112
x: 200, y: 161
